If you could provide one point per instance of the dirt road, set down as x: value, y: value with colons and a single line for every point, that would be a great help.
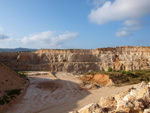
x: 49, y: 95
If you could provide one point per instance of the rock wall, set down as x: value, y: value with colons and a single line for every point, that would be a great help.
x: 78, y: 60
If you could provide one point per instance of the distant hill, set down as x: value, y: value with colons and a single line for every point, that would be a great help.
x: 16, y: 49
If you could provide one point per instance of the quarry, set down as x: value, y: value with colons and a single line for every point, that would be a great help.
x: 103, y: 80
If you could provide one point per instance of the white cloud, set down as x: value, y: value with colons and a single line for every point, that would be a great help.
x: 97, y: 3
x: 2, y: 36
x: 123, y: 34
x: 48, y: 39
x: 130, y: 11
x: 133, y: 22
x: 119, y: 10
x: 42, y: 37
x: 131, y: 26
x: 45, y: 39
x: 1, y: 29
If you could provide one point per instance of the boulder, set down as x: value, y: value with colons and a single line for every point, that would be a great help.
x: 108, y: 102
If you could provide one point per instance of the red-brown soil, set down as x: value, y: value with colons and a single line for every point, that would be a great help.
x: 99, y: 79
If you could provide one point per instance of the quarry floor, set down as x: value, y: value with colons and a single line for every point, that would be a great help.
x: 59, y: 94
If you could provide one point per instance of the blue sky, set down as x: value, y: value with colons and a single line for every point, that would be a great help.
x: 79, y: 24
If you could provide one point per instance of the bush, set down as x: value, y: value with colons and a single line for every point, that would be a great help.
x: 22, y: 75
x: 5, y: 97
x: 128, y: 73
x: 13, y: 92
x: 12, y: 96
x: 2, y: 101
x: 123, y: 72
x: 109, y: 69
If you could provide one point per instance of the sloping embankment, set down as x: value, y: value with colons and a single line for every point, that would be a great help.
x: 11, y: 85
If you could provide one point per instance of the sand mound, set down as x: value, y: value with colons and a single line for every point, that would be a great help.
x: 101, y: 79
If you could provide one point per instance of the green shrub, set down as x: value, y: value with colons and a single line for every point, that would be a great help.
x: 109, y: 69
x: 22, y: 75
x: 13, y: 92
x: 12, y: 96
x: 2, y: 102
x: 128, y: 73
x: 7, y: 101
x: 123, y: 72
x: 4, y: 99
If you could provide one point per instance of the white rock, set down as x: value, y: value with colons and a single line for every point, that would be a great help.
x: 86, y: 107
x: 133, y: 93
x: 146, y: 110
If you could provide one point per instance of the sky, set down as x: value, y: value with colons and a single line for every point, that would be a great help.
x: 74, y: 24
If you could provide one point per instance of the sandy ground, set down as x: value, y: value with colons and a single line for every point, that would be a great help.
x: 47, y: 94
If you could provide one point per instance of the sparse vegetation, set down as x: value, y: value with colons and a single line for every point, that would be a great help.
x: 92, y: 73
x: 123, y: 72
x: 128, y: 73
x: 10, y: 83
x: 4, y: 99
x: 13, y: 92
x: 9, y: 94
x: 125, y: 77
x: 110, y: 69
x: 21, y: 74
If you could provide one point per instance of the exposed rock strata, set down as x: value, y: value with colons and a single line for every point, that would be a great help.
x: 79, y: 61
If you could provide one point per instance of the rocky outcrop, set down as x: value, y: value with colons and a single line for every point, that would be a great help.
x: 134, y: 100
x: 79, y: 61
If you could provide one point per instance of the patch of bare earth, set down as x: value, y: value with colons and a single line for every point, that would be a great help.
x: 95, y: 81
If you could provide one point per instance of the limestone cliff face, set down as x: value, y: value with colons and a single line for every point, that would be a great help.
x: 78, y: 61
